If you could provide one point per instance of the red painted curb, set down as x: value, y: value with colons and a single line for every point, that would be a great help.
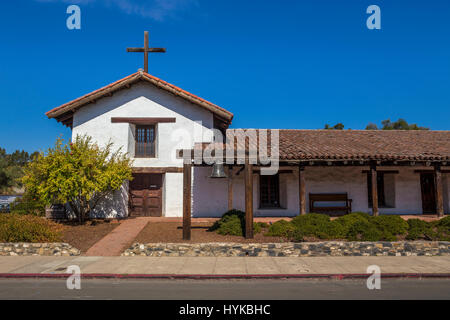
x: 333, y: 276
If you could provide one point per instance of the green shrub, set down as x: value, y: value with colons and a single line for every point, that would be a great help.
x: 28, y: 205
x: 420, y: 230
x: 346, y: 221
x: 259, y: 226
x: 281, y: 228
x: 361, y: 214
x: 233, y: 223
x: 357, y: 226
x: 390, y: 226
x: 28, y: 228
x: 317, y: 225
x: 391, y: 223
x: 443, y: 229
x: 363, y: 230
x: 354, y: 225
x: 444, y: 223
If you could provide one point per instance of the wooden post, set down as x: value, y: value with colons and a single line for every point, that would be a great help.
x: 187, y: 176
x: 439, y: 191
x: 230, y: 188
x: 301, y: 190
x: 146, y: 51
x: 248, y: 200
x: 373, y: 172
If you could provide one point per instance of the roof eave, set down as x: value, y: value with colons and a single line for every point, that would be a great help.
x: 73, y: 105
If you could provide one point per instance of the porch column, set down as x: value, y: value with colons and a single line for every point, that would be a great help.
x: 301, y: 190
x: 248, y: 199
x: 230, y: 188
x: 187, y: 176
x: 373, y: 172
x: 439, y: 191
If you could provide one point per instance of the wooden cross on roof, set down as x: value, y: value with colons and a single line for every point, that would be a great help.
x: 146, y: 50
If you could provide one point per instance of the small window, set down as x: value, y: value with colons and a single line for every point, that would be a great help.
x: 386, y: 189
x: 145, y: 142
x: 269, y: 189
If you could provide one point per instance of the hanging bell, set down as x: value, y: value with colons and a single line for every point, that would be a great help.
x: 218, y: 171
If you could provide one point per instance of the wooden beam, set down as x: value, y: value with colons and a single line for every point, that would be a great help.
x: 187, y: 176
x: 248, y: 199
x: 280, y: 171
x: 301, y: 190
x: 373, y: 171
x: 383, y: 171
x: 142, y: 120
x: 157, y: 169
x: 65, y: 117
x: 230, y: 188
x: 439, y: 191
x: 430, y: 171
x: 134, y: 49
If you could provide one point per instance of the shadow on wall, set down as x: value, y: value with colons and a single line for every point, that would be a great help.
x: 209, y: 195
x: 113, y: 206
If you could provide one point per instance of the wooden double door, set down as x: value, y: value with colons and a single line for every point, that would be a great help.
x: 146, y: 194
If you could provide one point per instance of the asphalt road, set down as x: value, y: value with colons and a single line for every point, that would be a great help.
x: 224, y: 289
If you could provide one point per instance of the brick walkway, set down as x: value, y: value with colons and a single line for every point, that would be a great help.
x: 120, y: 238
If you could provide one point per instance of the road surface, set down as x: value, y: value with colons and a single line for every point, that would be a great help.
x: 225, y: 289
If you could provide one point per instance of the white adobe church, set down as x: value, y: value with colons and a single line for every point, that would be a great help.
x: 335, y: 171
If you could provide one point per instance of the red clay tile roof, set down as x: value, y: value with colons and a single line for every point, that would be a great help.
x: 390, y: 145
x: 131, y: 79
x: 365, y: 144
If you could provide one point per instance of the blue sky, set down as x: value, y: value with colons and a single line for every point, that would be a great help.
x: 274, y: 64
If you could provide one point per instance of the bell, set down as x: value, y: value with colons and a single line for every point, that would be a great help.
x: 218, y: 171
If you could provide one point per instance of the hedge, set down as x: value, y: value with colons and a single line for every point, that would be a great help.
x: 357, y: 226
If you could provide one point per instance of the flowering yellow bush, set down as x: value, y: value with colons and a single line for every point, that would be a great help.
x: 80, y: 174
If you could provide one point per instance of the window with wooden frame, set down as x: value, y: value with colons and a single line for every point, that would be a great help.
x: 145, y: 142
x: 380, y: 187
x: 269, y: 191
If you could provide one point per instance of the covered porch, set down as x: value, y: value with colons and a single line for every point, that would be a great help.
x: 334, y: 187
x: 322, y: 171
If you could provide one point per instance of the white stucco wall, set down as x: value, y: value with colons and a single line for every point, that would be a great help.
x: 210, y: 196
x: 446, y: 183
x: 406, y: 193
x: 192, y: 124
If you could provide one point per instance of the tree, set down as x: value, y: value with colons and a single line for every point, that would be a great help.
x: 371, y: 126
x: 338, y: 126
x: 80, y: 174
x: 11, y: 169
x: 400, y: 124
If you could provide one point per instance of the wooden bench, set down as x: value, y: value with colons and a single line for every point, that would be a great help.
x: 329, y: 197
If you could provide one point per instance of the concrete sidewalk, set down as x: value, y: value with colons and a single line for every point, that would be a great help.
x: 222, y: 266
